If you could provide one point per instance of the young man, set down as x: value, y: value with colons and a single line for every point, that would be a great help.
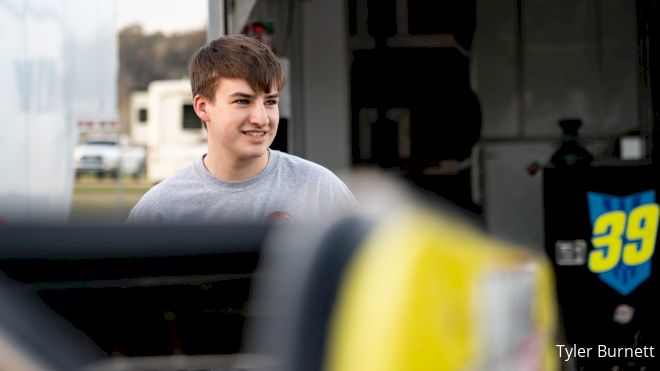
x: 236, y: 82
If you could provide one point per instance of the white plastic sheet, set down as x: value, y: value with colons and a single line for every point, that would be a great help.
x: 58, y: 60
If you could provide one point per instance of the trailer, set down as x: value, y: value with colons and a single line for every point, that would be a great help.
x: 173, y: 133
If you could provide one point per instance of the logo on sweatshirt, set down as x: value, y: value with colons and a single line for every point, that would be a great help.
x: 279, y: 215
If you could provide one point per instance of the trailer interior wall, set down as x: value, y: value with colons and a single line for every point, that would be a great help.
x: 325, y: 78
x: 536, y: 63
x: 58, y: 62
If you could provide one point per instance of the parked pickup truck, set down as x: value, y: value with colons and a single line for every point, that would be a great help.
x: 109, y: 157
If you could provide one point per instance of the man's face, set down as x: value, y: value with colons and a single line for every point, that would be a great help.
x: 241, y: 123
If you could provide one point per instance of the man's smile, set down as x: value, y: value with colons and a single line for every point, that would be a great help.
x: 255, y: 133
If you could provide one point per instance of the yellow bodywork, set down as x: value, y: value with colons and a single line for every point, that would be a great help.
x: 427, y: 293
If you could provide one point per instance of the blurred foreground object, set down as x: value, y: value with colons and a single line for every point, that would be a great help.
x: 394, y: 286
x: 148, y: 298
x: 403, y: 287
x: 33, y: 339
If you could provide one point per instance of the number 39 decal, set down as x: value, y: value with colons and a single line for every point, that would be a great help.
x: 624, y: 232
x: 612, y: 229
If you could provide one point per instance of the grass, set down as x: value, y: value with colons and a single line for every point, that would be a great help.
x: 105, y: 200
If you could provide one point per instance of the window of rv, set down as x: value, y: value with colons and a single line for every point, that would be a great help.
x: 102, y: 142
x: 190, y: 119
x: 142, y: 116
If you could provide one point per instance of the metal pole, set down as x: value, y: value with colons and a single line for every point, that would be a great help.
x: 217, y: 19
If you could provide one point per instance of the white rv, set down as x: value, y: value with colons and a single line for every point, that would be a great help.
x: 175, y: 136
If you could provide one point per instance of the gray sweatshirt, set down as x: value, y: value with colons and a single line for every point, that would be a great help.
x: 288, y: 188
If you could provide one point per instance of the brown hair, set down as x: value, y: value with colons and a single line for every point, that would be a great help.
x: 234, y: 56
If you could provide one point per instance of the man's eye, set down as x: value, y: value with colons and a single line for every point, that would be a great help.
x: 271, y: 102
x: 242, y: 101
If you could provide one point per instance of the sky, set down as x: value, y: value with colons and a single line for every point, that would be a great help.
x: 167, y: 16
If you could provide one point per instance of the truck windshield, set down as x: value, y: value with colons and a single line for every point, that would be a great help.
x: 102, y: 142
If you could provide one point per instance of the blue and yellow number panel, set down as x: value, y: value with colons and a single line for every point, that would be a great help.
x: 601, y: 233
x: 623, y: 239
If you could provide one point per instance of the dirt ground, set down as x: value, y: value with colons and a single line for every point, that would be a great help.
x: 105, y: 200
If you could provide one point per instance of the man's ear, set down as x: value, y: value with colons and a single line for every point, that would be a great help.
x: 200, y: 104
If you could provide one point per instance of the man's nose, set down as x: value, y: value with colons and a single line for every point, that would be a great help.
x: 259, y: 115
